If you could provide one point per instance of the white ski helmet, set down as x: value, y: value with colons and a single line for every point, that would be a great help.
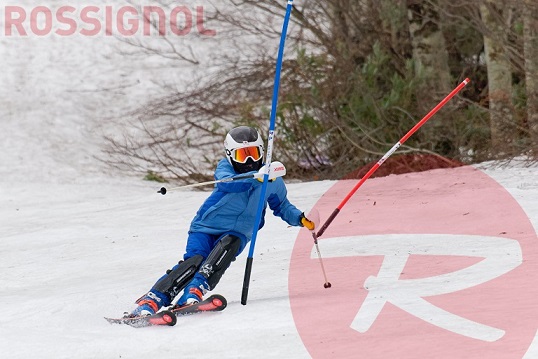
x: 244, y: 149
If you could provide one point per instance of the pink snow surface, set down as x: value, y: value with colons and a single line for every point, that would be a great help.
x: 437, y: 264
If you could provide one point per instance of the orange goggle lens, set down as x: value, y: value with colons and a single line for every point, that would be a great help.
x: 242, y: 154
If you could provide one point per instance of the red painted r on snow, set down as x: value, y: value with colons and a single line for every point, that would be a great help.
x: 438, y: 264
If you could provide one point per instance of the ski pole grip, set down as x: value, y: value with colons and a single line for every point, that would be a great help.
x: 327, y: 222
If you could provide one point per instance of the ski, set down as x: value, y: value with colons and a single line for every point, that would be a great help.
x: 166, y: 317
x: 213, y: 303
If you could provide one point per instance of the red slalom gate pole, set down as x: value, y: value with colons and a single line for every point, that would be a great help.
x: 388, y: 154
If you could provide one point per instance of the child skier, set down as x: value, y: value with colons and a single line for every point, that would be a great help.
x: 223, y: 225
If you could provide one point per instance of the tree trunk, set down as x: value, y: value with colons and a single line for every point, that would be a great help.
x: 429, y: 47
x: 499, y: 76
x: 431, y: 66
x: 531, y: 68
x: 393, y: 14
x: 352, y: 28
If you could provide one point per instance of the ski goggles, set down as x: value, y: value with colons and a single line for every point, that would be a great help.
x: 241, y: 155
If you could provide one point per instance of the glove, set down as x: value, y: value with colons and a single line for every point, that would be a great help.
x: 277, y: 170
x: 308, y: 224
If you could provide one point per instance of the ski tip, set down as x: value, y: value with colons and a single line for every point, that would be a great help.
x: 164, y: 318
x: 219, y: 302
x: 213, y: 303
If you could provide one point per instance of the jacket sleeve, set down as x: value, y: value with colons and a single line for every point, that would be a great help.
x: 226, y: 170
x: 281, y: 206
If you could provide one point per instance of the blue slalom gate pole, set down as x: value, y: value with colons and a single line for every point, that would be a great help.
x: 262, y: 204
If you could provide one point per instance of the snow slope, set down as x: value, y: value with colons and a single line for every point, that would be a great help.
x: 75, y: 252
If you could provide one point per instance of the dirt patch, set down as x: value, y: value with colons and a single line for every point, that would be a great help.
x: 414, y: 162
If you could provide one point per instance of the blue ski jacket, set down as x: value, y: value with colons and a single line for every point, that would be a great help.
x: 232, y: 206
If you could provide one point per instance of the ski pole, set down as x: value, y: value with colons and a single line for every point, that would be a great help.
x: 314, y: 217
x: 278, y: 170
x: 262, y: 204
x: 164, y: 191
x: 389, y: 153
x: 327, y: 284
